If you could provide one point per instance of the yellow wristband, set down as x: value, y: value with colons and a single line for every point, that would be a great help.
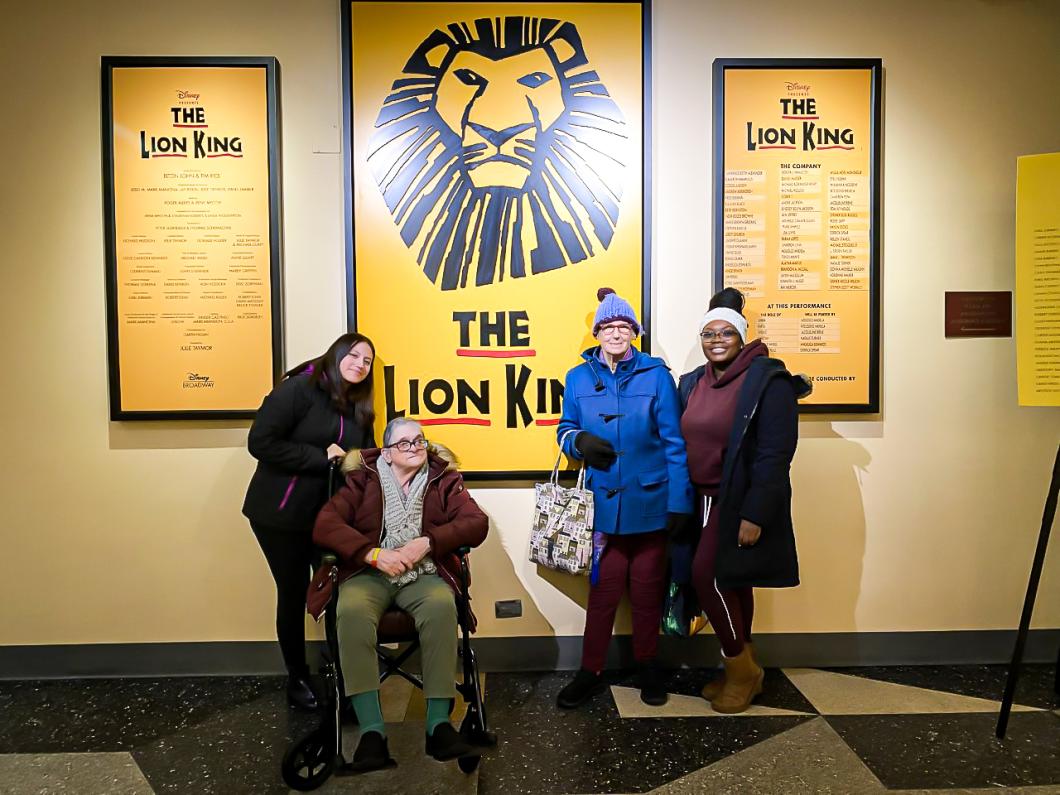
x: 374, y: 559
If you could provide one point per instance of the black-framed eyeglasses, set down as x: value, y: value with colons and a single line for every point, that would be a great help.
x: 405, y: 445
x: 727, y: 334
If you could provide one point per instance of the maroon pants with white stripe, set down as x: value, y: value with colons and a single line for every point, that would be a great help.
x: 729, y: 610
x: 640, y: 560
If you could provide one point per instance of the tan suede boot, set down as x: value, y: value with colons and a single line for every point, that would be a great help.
x: 712, y: 689
x: 743, y: 681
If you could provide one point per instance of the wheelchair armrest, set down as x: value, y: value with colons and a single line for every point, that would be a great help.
x: 463, y: 552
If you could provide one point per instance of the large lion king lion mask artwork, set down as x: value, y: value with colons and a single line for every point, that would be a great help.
x: 498, y: 152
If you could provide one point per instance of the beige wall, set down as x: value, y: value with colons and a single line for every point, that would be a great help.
x: 922, y: 518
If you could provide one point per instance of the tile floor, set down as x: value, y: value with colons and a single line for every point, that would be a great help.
x: 866, y: 730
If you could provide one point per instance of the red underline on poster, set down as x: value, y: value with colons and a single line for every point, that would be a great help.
x: 835, y: 147
x: 454, y: 421
x: 172, y: 155
x: 224, y: 154
x: 496, y: 354
x: 547, y: 422
x: 777, y: 147
x: 800, y: 117
x: 192, y: 126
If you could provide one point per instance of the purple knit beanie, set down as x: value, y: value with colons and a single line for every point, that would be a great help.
x: 613, y: 308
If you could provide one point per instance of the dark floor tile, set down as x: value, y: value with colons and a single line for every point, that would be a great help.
x: 1035, y: 687
x: 236, y: 750
x: 546, y: 750
x: 115, y: 714
x: 778, y: 691
x: 935, y: 751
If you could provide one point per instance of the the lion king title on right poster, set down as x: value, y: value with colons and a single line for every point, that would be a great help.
x: 796, y: 216
x: 497, y: 175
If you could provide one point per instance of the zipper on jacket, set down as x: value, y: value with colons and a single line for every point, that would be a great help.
x: 287, y: 494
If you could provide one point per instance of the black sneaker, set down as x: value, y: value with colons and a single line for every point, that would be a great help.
x: 446, y: 743
x: 652, y: 685
x: 300, y: 692
x: 581, y: 688
x: 372, y: 753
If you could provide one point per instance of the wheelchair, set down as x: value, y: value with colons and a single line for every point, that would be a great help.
x: 312, y: 760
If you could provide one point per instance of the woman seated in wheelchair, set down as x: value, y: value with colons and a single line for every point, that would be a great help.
x: 395, y: 526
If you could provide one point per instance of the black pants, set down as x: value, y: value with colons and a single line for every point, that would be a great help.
x: 289, y: 553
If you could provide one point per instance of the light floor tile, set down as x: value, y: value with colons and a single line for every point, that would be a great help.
x: 84, y: 774
x: 843, y: 694
x: 809, y: 759
x: 394, y: 695
x: 627, y: 700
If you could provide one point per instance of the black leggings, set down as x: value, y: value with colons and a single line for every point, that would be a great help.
x: 289, y: 553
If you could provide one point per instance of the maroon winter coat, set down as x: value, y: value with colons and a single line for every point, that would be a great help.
x: 351, y: 523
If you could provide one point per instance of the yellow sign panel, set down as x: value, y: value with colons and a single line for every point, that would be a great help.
x: 1038, y: 279
x: 497, y: 171
x: 191, y: 253
x: 797, y: 227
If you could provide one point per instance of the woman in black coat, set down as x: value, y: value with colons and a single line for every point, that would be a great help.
x: 740, y: 425
x: 321, y: 409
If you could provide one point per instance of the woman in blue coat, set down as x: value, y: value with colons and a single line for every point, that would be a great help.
x: 622, y: 418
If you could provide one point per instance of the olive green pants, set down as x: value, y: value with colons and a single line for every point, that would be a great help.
x: 362, y: 601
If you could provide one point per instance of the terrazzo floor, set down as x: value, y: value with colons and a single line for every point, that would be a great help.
x: 867, y: 730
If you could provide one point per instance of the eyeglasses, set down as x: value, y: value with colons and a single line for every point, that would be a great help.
x: 407, y: 444
x: 727, y: 334
x: 622, y: 329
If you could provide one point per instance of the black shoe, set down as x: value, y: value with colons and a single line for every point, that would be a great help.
x: 372, y: 753
x: 446, y: 743
x: 652, y: 685
x: 584, y: 686
x: 300, y: 692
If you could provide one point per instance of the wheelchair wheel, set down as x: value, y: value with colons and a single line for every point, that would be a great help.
x: 309, y: 762
x: 468, y: 763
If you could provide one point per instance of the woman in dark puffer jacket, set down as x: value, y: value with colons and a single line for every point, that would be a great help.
x: 321, y: 409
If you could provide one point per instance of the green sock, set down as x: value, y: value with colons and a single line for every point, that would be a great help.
x: 369, y: 713
x: 437, y: 713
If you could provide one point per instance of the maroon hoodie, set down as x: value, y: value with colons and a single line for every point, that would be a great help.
x: 708, y: 418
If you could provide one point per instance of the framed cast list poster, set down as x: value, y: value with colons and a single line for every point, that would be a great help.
x: 797, y: 216
x: 192, y: 226
x: 497, y: 179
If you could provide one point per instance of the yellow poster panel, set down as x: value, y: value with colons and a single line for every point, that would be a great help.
x: 797, y: 228
x: 192, y: 254
x: 1038, y: 279
x: 497, y: 161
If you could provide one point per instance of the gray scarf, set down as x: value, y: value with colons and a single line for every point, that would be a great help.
x: 403, y: 516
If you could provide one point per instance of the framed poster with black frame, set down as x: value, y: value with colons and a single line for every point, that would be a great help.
x: 797, y: 216
x: 191, y: 203
x: 496, y: 178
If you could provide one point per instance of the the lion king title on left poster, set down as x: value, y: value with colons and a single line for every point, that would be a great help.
x: 497, y: 174
x: 191, y: 198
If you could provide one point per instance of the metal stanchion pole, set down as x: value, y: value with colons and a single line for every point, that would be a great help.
x: 1028, y: 602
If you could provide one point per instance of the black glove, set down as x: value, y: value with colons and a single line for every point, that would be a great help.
x: 598, y: 453
x: 681, y: 527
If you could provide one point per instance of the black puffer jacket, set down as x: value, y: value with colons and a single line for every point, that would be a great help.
x: 290, y: 437
x: 756, y: 484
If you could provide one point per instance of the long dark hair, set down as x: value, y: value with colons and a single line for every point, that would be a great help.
x: 325, y: 375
